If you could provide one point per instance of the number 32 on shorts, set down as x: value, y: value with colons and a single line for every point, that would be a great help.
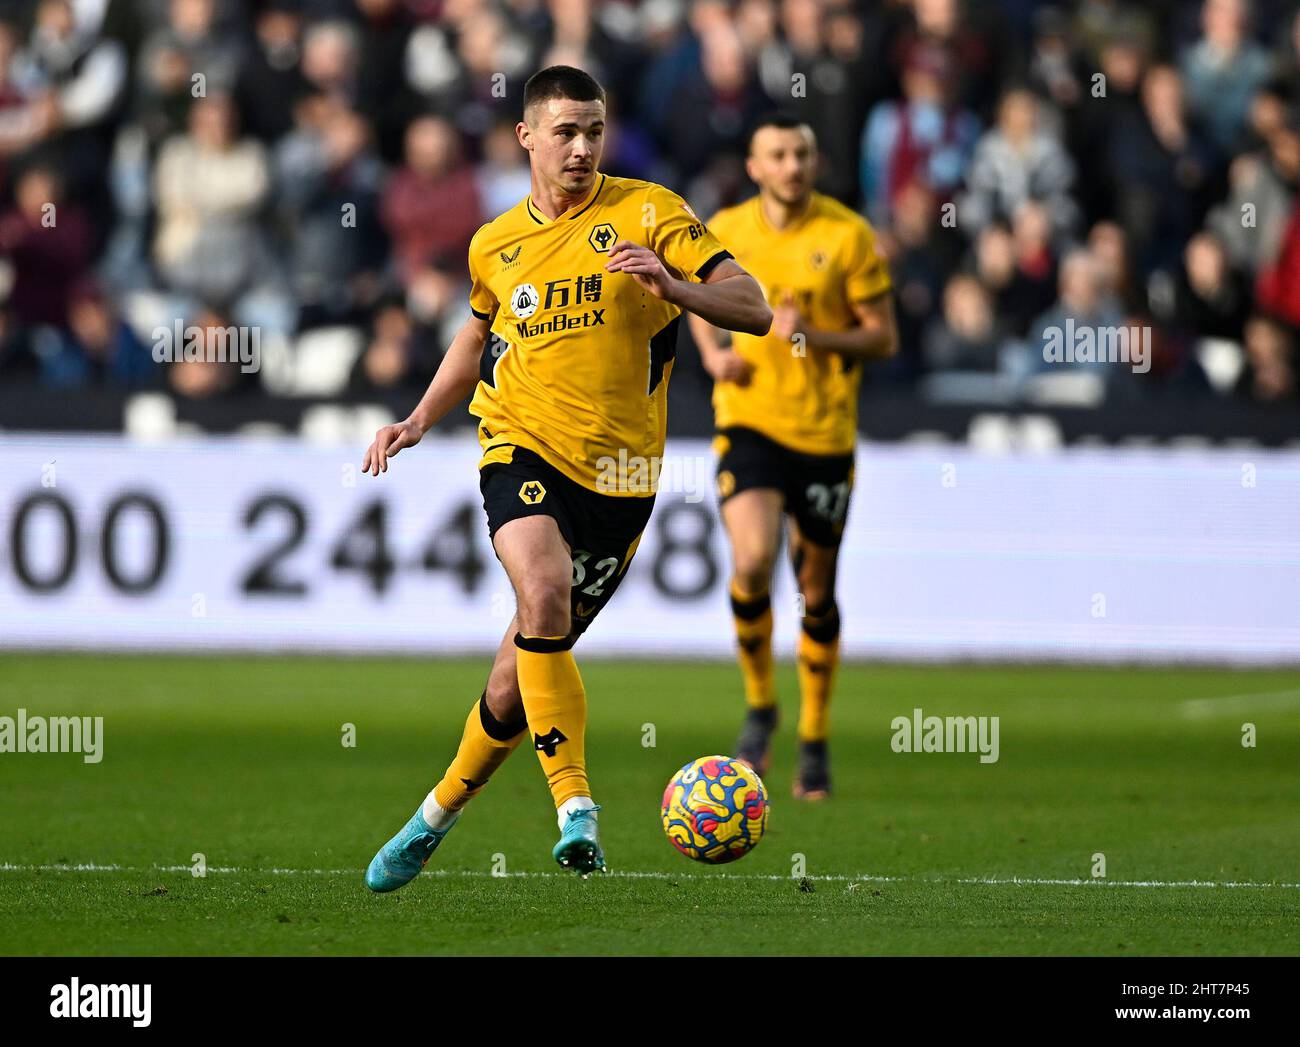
x: 602, y: 569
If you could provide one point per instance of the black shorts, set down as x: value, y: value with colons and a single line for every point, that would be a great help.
x: 602, y: 530
x: 816, y: 487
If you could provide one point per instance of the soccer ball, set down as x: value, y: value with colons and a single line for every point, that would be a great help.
x: 715, y: 809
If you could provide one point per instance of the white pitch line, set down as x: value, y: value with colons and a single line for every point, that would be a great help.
x: 989, y: 881
x: 1227, y: 703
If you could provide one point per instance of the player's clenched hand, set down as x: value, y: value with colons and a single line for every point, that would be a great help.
x: 643, y: 265
x: 786, y: 320
x: 388, y: 441
x: 727, y: 365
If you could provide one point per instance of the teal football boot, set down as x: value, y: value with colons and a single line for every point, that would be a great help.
x: 400, y: 860
x: 579, y: 846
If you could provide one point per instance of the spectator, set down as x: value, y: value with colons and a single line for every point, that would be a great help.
x: 86, y: 75
x: 24, y: 119
x: 189, y: 57
x: 1210, y: 301
x: 1277, y: 290
x: 1018, y: 296
x: 1270, y: 372
x: 205, y: 375
x: 436, y: 302
x: 921, y: 254
x: 1115, y: 98
x: 388, y: 361
x: 330, y: 59
x: 630, y: 152
x: 468, y: 70
x: 76, y: 81
x: 970, y: 52
x: 1109, y: 246
x: 1059, y: 73
x: 1056, y: 68
x: 1035, y: 257
x: 98, y: 348
x: 211, y: 187
x: 1268, y: 115
x: 503, y: 175
x: 1161, y: 168
x: 966, y: 337
x: 1016, y: 162
x: 328, y: 179
x: 599, y: 38
x: 925, y: 138
x: 382, y: 95
x: 723, y: 91
x: 1082, y: 304
x: 368, y: 140
x: 272, y: 82
x: 48, y: 242
x: 1223, y: 69
x: 431, y: 206
x: 672, y: 53
x: 1261, y: 191
x: 828, y: 49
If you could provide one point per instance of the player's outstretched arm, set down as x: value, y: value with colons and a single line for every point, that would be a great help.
x: 729, y: 297
x: 457, y: 375
x: 873, y: 337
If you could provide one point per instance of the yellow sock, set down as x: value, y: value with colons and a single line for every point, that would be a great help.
x: 819, y: 656
x: 752, y: 614
x: 556, y: 706
x: 483, y: 748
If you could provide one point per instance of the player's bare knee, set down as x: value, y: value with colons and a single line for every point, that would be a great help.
x: 815, y: 576
x: 753, y: 571
x: 816, y: 594
x: 543, y: 609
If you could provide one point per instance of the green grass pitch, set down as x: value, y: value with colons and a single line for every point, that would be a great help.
x: 241, y: 760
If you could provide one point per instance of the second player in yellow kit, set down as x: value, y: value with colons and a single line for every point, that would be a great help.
x: 820, y: 264
x: 785, y: 406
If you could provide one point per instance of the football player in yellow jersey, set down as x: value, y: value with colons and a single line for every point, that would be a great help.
x: 575, y: 299
x: 785, y: 407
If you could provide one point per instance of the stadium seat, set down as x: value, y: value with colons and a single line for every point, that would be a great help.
x: 323, y: 359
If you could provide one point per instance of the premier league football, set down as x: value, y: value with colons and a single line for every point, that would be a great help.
x: 730, y: 480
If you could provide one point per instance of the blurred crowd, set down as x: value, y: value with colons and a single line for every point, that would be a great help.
x: 315, y: 169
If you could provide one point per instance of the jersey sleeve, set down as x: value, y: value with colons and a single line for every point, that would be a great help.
x: 681, y: 239
x: 866, y: 272
x: 482, y: 302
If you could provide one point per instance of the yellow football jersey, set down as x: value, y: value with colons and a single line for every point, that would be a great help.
x: 578, y: 366
x: 827, y: 259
